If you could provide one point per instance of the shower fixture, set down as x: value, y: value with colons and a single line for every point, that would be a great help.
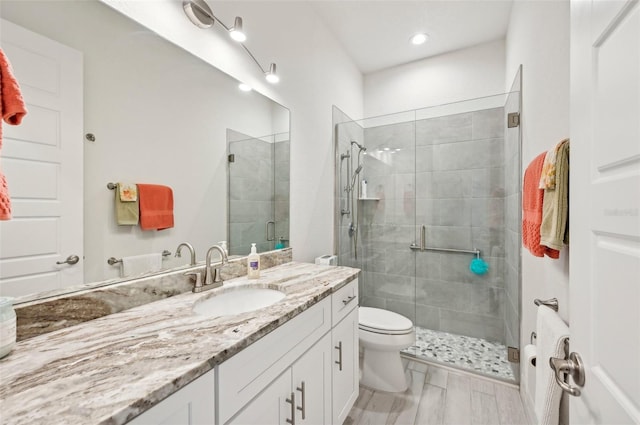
x: 362, y: 148
x: 201, y: 15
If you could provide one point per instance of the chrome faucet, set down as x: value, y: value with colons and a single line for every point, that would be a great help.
x: 191, y: 250
x: 213, y: 277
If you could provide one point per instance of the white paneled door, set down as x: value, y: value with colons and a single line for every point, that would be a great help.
x: 42, y: 160
x: 605, y: 209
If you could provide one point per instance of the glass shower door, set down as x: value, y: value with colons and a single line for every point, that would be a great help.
x: 460, y: 185
x: 251, y: 203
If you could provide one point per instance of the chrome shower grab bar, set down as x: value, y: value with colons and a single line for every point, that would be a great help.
x: 552, y: 303
x: 423, y: 245
x: 476, y: 252
x: 113, y: 260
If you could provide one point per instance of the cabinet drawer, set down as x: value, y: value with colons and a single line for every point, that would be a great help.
x: 247, y: 373
x: 344, y: 300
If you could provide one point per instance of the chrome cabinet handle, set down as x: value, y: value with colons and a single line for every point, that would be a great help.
x: 348, y: 299
x: 71, y: 260
x: 292, y: 401
x: 552, y: 303
x: 339, y: 361
x: 302, y: 395
x: 574, y: 367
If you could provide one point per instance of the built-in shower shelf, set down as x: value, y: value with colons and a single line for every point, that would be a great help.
x: 368, y: 199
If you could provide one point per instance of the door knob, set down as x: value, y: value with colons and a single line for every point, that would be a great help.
x: 72, y: 259
x: 574, y: 367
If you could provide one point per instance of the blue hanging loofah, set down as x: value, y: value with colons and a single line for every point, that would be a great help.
x: 478, y: 266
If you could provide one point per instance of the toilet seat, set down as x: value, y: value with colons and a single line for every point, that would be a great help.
x: 381, y: 321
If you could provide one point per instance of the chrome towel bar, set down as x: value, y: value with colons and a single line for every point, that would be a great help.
x: 114, y: 260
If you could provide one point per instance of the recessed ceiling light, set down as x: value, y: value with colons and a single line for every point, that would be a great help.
x: 244, y: 87
x: 419, y: 38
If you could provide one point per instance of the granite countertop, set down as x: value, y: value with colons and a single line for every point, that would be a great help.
x: 109, y: 370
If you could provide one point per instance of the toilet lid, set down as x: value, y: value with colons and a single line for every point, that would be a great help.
x: 379, y: 320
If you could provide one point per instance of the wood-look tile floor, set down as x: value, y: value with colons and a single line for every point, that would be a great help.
x: 440, y: 396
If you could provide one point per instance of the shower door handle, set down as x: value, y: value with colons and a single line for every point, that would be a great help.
x: 272, y: 238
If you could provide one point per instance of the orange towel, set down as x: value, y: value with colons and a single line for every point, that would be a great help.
x: 12, y: 110
x: 156, y: 206
x: 532, y: 197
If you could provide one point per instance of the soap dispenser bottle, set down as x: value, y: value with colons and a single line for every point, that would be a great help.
x: 253, y: 263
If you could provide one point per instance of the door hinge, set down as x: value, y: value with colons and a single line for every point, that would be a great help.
x: 513, y: 354
x: 513, y: 119
x: 231, y: 157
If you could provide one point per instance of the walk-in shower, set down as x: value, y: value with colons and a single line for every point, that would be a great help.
x: 443, y: 190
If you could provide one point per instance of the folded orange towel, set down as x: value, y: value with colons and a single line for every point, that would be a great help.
x: 156, y: 206
x: 532, y: 197
x: 12, y: 110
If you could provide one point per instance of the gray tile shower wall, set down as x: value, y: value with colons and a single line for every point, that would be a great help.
x: 447, y: 173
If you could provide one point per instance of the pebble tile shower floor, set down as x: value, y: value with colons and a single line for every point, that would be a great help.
x: 476, y: 354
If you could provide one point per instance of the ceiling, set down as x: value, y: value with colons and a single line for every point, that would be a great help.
x: 376, y: 33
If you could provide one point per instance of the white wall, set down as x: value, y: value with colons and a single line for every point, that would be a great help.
x: 469, y: 73
x: 315, y: 74
x: 538, y: 38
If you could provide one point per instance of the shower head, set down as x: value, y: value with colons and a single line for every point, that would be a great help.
x: 358, y: 170
x: 362, y: 148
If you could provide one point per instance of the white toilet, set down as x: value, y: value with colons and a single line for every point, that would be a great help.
x: 382, y: 335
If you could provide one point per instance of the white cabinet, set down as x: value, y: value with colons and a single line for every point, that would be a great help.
x: 300, y: 395
x: 249, y: 373
x: 193, y: 404
x: 312, y: 384
x: 345, y: 366
x: 305, y: 372
x: 270, y: 406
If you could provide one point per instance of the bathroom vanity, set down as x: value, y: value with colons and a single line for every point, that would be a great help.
x: 295, y: 361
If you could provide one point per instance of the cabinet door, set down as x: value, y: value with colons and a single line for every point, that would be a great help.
x: 191, y: 405
x: 312, y: 384
x: 271, y: 405
x: 345, y: 366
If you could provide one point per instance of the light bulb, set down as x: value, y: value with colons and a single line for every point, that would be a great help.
x: 271, y: 75
x: 419, y: 38
x: 236, y: 32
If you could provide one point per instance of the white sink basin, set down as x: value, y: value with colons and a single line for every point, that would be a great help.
x: 236, y: 301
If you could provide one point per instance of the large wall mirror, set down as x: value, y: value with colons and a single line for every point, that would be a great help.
x: 145, y: 111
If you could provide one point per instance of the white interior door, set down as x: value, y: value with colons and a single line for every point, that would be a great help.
x: 42, y: 160
x: 605, y: 209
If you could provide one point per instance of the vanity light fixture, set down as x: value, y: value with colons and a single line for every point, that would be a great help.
x: 419, y: 38
x: 236, y: 32
x: 201, y: 15
x: 271, y: 75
